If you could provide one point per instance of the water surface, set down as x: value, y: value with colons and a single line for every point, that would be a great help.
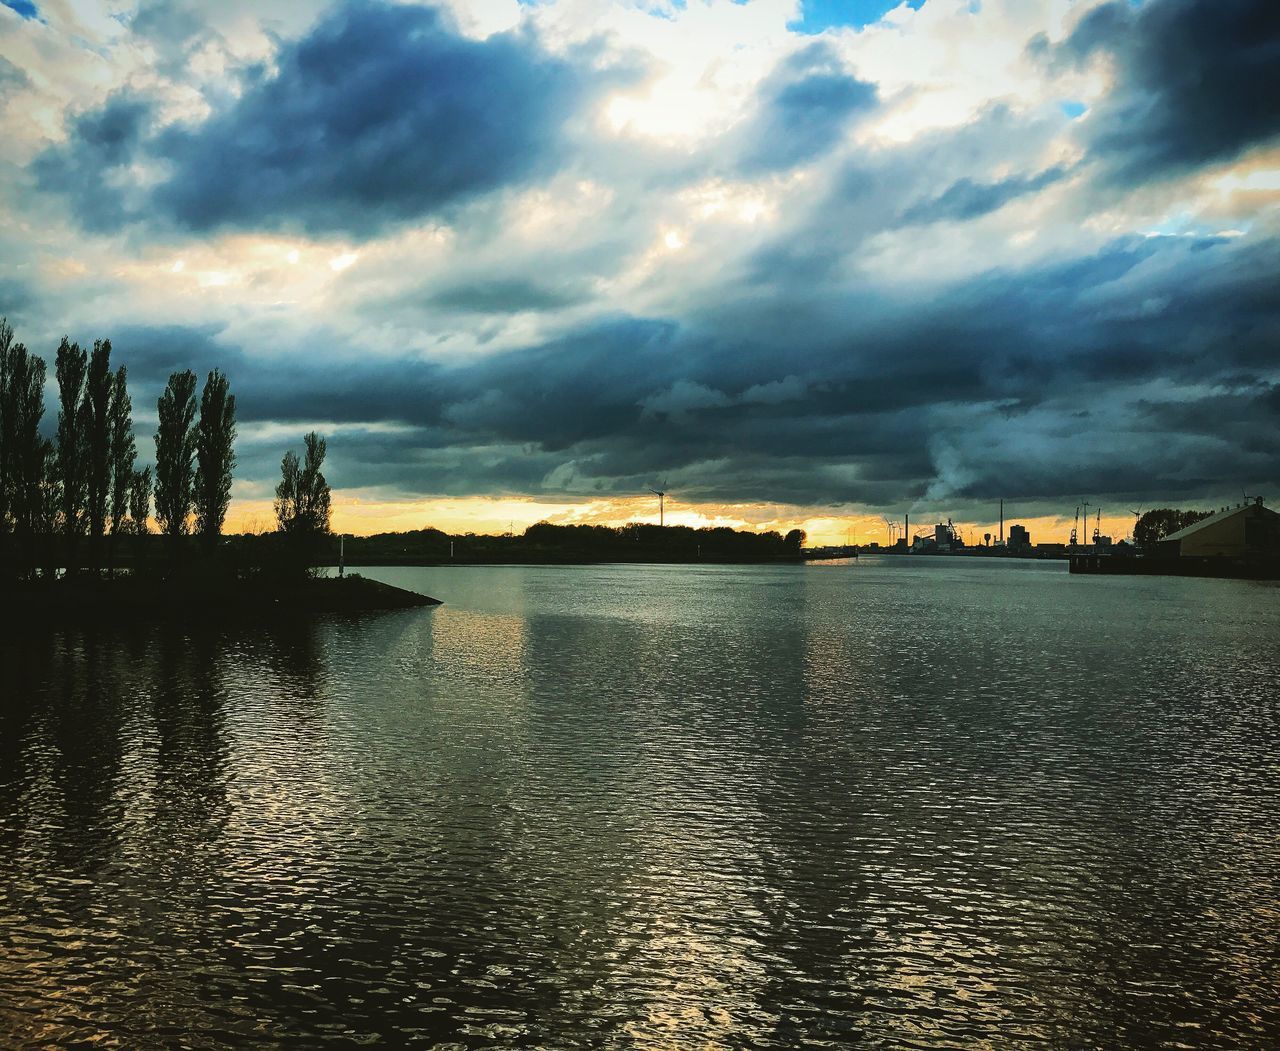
x: 909, y: 802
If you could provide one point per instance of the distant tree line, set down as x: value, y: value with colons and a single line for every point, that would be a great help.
x: 684, y: 542
x: 1153, y: 526
x: 548, y: 543
x: 85, y: 487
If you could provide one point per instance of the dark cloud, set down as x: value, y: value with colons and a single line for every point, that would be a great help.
x: 15, y: 297
x: 152, y: 352
x: 90, y: 169
x: 966, y: 199
x: 788, y: 371
x: 381, y: 114
x: 1198, y: 82
x: 505, y: 296
x: 11, y: 78
x: 803, y: 109
x: 1022, y: 384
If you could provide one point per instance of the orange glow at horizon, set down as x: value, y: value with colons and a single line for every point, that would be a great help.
x: 825, y: 526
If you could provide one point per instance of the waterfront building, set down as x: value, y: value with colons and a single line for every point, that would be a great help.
x: 1019, y: 538
x: 1233, y: 532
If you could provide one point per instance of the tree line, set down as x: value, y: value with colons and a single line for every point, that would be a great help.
x: 86, y: 486
x: 545, y: 542
x: 1153, y: 526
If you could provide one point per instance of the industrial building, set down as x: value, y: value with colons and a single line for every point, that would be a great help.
x: 946, y: 540
x: 1244, y: 531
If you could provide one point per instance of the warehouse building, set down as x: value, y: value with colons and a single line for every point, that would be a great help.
x: 1243, y: 531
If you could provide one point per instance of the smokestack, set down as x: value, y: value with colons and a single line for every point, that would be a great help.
x: 1002, y: 520
x: 906, y: 529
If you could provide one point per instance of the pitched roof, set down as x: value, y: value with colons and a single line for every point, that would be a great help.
x: 1218, y: 517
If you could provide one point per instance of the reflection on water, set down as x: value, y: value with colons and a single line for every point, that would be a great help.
x: 890, y: 804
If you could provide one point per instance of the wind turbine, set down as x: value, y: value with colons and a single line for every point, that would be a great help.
x: 661, y: 494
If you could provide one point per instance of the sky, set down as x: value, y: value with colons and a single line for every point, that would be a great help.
x: 811, y: 263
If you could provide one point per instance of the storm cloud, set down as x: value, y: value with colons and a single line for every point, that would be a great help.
x: 966, y: 199
x: 867, y: 269
x: 1031, y: 383
x: 380, y: 115
x: 1197, y: 81
x: 803, y: 109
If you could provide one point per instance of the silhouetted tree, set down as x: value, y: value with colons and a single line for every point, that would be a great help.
x: 302, y: 505
x: 46, y: 500
x: 70, y: 366
x: 215, y: 455
x: 8, y: 423
x: 97, y: 431
x: 316, y: 504
x: 175, y: 451
x: 21, y: 447
x: 1157, y: 524
x: 123, y: 449
x: 13, y: 359
x: 795, y: 539
x: 302, y: 497
x: 288, y: 493
x: 25, y: 408
x: 140, y: 501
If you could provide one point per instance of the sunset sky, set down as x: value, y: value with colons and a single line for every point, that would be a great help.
x: 808, y: 263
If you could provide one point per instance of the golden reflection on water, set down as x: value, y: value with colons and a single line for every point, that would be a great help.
x: 621, y: 806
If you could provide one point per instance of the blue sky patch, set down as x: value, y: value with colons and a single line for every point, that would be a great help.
x: 817, y: 15
x: 1072, y: 108
x: 24, y: 7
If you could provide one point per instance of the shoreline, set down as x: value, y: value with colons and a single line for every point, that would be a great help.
x: 126, y: 598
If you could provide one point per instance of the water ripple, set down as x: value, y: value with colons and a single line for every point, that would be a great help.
x: 890, y: 805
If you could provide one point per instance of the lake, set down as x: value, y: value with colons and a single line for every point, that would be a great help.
x: 893, y: 803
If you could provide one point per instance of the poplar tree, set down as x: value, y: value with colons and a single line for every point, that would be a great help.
x: 303, y: 501
x: 316, y: 504
x: 140, y: 501
x: 97, y: 432
x: 8, y: 420
x: 70, y: 367
x: 46, y: 502
x: 123, y: 448
x: 21, y: 447
x: 287, y: 493
x: 8, y: 424
x: 27, y: 453
x: 215, y: 455
x: 175, y: 452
